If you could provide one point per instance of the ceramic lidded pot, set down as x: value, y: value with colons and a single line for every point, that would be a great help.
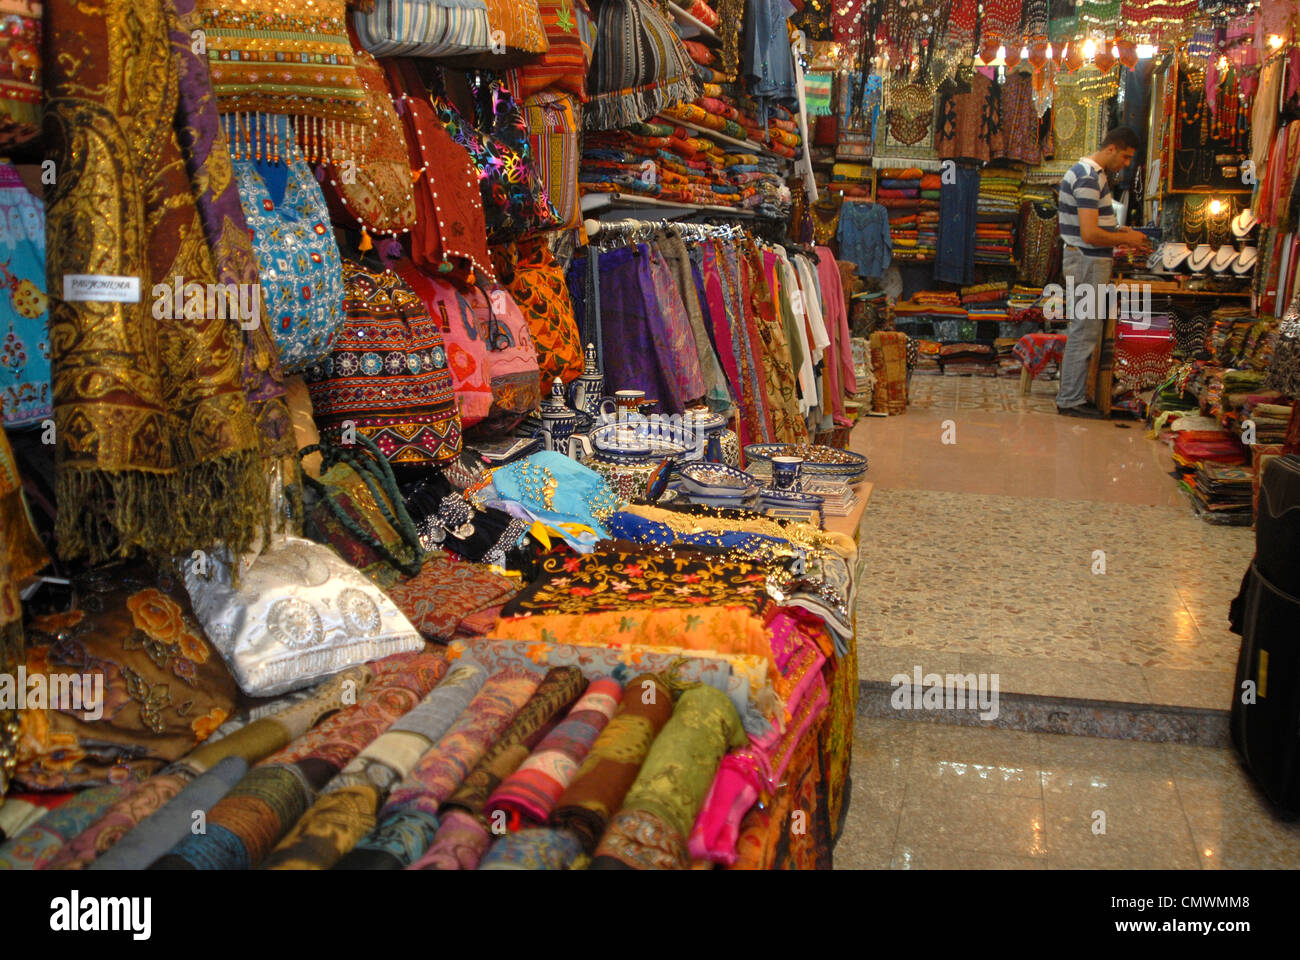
x: 585, y: 391
x: 720, y: 445
x: 558, y: 421
x: 632, y: 454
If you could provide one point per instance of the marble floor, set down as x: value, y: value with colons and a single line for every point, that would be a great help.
x: 1055, y: 552
x: 934, y: 796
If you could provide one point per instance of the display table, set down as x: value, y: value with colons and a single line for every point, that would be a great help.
x: 849, y: 524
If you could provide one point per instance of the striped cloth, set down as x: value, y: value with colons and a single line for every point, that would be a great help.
x: 640, y: 66
x: 424, y: 28
x: 1085, y: 187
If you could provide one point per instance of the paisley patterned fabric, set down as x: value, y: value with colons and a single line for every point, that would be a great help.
x: 445, y: 592
x: 164, y: 689
x: 598, y: 787
x: 388, y: 374
x: 301, y: 270
x: 539, y: 288
x: 40, y: 843
x: 246, y: 824
x: 536, y: 849
x: 24, y: 340
x: 298, y: 614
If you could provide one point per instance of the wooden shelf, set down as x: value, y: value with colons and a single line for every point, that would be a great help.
x: 696, y: 27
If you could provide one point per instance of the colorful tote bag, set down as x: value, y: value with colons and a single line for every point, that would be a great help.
x: 466, y: 349
x: 25, y: 398
x: 376, y: 191
x: 570, y: 39
x: 297, y: 256
x: 511, y: 368
x: 538, y: 285
x: 289, y: 58
x: 387, y: 375
x: 552, y: 120
x: 424, y: 28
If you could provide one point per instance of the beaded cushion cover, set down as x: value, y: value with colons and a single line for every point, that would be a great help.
x: 387, y: 374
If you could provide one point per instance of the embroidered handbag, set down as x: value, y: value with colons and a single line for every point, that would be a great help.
x: 297, y: 256
x: 466, y: 349
x: 375, y: 192
x: 387, y: 376
x: 538, y: 286
x: 552, y: 120
x: 516, y: 35
x: 571, y: 40
x: 424, y: 28
x: 288, y: 58
x: 511, y: 368
x: 496, y: 137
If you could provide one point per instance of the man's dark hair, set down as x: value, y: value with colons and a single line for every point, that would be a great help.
x: 1122, y: 137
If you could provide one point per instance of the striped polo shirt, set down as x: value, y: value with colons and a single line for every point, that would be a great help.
x: 1085, y: 187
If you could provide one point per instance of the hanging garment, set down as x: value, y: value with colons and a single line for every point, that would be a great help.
x: 958, y: 211
x: 25, y: 399
x: 863, y: 235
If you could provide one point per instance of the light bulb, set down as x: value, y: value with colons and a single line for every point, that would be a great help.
x: 1114, y: 51
x: 1216, y: 207
x: 1146, y: 51
x: 1049, y: 51
x: 1223, y: 63
x: 1275, y: 40
x: 1002, y: 54
x: 1024, y: 53
x: 1089, y: 48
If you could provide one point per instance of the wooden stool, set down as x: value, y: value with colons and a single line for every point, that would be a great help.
x: 1026, y: 381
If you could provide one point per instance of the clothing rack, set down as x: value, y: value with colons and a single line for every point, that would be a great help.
x: 691, y: 232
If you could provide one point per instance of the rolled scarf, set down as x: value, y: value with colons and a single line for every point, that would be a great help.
x: 346, y: 811
x: 157, y: 446
x: 18, y: 813
x: 246, y: 824
x: 248, y: 744
x: 529, y: 794
x: 650, y: 831
x: 534, y: 849
x: 460, y: 843
x: 408, y: 822
x: 38, y: 844
x: 610, y: 768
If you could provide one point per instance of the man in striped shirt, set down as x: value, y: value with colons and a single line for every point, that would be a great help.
x: 1087, y: 223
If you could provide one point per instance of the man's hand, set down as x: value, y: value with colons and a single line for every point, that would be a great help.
x: 1136, y: 239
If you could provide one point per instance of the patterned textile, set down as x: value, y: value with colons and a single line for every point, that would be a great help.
x: 639, y: 66
x: 445, y: 592
x: 377, y: 192
x: 458, y: 843
x: 122, y: 817
x: 565, y: 62
x: 742, y: 678
x: 670, y: 245
x: 246, y: 824
x: 157, y: 830
x: 1020, y: 122
x: 970, y: 123
x: 163, y: 689
x: 529, y: 794
x: 907, y: 132
x: 298, y: 614
x: 536, y: 849
x: 837, y: 735
x: 388, y: 373
x: 673, y: 781
x: 25, y: 347
x: 37, y: 845
x: 553, y: 134
x: 315, y: 76
x: 408, y: 821
x: 424, y: 28
x: 788, y: 425
x: 598, y: 787
x: 20, y: 77
x: 345, y: 812
x: 516, y: 24
x: 510, y: 366
x: 1143, y: 359
x: 296, y: 253
x: 450, y: 231
x: 1039, y: 246
x: 156, y: 444
x: 889, y: 364
x: 347, y: 491
x: 1284, y: 365
x: 1036, y: 350
x: 537, y: 283
x: 207, y: 158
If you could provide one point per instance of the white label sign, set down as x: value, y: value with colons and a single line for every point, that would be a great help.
x: 99, y: 288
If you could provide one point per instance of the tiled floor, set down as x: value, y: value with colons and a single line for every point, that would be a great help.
x: 933, y: 796
x: 1053, y: 551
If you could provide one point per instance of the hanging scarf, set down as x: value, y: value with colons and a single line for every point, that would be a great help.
x: 157, y: 448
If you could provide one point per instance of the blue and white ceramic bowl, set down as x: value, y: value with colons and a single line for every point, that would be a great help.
x: 716, y: 479
x: 818, y: 461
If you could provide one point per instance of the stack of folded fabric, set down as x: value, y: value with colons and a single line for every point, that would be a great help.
x: 1270, y: 412
x: 968, y: 359
x: 659, y: 160
x: 927, y: 361
x: 998, y: 210
x: 986, y: 301
x: 782, y: 134
x: 1221, y: 493
x: 899, y: 191
x: 851, y: 179
x: 1008, y: 364
x: 1194, y: 447
x: 1025, y: 304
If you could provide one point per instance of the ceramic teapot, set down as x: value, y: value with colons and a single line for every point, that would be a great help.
x: 635, y: 456
x: 585, y: 391
x: 558, y: 421
x: 720, y: 445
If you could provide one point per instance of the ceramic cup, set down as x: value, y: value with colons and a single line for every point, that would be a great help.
x: 629, y: 400
x: 785, y: 472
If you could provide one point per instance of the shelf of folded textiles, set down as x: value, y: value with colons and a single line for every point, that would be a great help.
x: 683, y: 17
x: 596, y: 202
x: 750, y: 145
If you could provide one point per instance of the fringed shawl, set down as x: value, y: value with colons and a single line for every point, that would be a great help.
x: 640, y: 66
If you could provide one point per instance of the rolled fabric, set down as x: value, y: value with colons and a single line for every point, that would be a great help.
x: 20, y: 811
x: 611, y: 767
x: 557, y: 692
x: 37, y: 845
x: 534, y: 849
x: 246, y: 824
x: 409, y: 820
x: 529, y: 794
x: 160, y: 831
x: 660, y: 809
x: 345, y: 812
